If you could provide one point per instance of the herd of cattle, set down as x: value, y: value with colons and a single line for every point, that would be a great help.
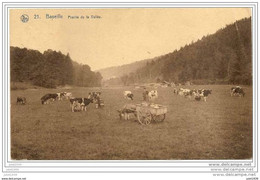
x: 80, y: 104
x: 196, y: 94
x: 76, y: 104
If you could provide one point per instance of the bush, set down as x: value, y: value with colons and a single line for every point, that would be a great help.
x: 20, y: 86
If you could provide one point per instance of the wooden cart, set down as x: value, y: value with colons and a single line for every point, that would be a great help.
x: 146, y: 113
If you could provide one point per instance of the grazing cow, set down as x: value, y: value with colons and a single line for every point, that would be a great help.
x: 153, y: 95
x: 99, y: 102
x: 180, y: 92
x: 190, y: 93
x: 67, y: 95
x: 184, y: 92
x: 205, y: 93
x: 21, y: 100
x: 61, y: 95
x: 175, y: 91
x: 49, y: 97
x: 237, y: 91
x: 86, y: 101
x: 95, y: 95
x: 129, y: 95
x: 82, y: 101
x: 76, y: 106
x: 127, y: 110
x: 72, y: 99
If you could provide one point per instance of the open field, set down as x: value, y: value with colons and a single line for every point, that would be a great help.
x: 220, y: 128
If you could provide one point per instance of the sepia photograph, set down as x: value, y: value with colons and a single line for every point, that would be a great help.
x: 131, y: 83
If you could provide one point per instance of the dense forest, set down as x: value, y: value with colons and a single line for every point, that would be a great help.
x: 50, y: 69
x: 222, y: 58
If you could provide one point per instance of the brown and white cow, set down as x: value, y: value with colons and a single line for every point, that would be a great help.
x: 152, y: 95
x: 237, y: 91
x: 204, y: 93
x: 84, y: 102
x: 21, y: 100
x: 128, y: 95
x: 49, y: 97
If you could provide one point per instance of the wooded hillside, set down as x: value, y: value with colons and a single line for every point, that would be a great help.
x: 222, y: 58
x: 50, y: 69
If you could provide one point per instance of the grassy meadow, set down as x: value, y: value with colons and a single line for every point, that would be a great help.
x: 220, y: 128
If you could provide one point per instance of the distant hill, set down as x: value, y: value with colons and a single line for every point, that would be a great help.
x: 118, y: 71
x: 221, y: 58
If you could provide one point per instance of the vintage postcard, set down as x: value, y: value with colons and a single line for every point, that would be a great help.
x: 132, y: 84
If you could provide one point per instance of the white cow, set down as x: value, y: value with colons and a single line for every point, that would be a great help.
x: 76, y: 106
x: 128, y: 95
x: 68, y: 95
x: 153, y: 95
x: 183, y: 92
x: 180, y: 92
x: 60, y: 95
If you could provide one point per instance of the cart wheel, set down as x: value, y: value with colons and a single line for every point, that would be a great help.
x: 159, y: 118
x: 144, y: 117
x: 164, y: 116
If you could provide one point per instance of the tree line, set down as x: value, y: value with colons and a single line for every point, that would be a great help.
x: 50, y: 69
x: 222, y: 58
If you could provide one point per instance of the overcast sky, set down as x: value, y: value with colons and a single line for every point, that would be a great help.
x: 120, y: 36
